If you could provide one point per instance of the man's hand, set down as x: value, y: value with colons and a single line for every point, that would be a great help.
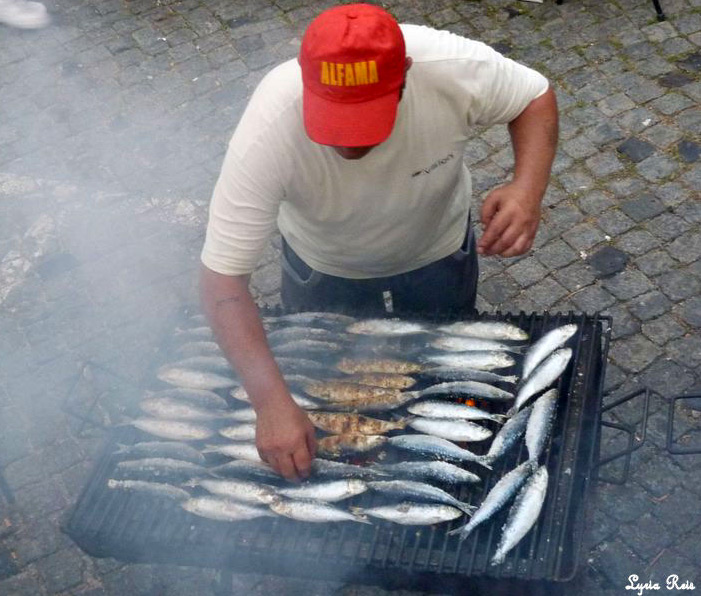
x: 285, y: 439
x: 510, y: 217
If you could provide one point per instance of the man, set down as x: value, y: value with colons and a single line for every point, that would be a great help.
x: 355, y: 151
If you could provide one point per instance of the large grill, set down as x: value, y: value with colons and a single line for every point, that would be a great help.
x: 133, y: 527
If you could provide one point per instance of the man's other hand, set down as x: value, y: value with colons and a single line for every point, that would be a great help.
x: 510, y: 218
x: 286, y: 439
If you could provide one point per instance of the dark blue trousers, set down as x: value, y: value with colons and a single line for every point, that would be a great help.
x: 445, y: 286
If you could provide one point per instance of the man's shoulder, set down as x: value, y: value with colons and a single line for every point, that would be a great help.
x: 284, y: 79
x: 425, y: 45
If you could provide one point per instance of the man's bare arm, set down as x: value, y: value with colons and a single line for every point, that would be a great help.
x: 511, y: 213
x: 284, y: 435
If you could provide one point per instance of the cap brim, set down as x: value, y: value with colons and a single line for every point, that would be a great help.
x: 349, y: 124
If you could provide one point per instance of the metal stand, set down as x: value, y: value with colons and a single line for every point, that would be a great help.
x: 658, y: 9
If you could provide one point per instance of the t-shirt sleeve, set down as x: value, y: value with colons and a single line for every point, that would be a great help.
x: 244, y: 207
x: 504, y: 89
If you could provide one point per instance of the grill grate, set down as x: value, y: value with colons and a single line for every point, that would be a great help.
x: 134, y: 527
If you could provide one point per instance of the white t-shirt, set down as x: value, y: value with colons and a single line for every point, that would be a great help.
x: 402, y: 206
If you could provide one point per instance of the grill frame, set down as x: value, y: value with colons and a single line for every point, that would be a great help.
x: 137, y: 529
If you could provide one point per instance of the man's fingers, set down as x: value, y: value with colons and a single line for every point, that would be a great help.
x: 522, y: 245
x: 495, y: 228
x: 311, y: 443
x: 489, y: 208
x: 286, y: 467
x: 302, y: 462
x: 507, y: 239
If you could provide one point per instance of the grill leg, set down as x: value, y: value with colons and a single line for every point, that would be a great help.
x: 224, y: 584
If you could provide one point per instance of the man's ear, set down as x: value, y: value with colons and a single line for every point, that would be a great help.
x: 407, y: 64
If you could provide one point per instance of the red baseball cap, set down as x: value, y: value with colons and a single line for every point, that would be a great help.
x: 352, y: 59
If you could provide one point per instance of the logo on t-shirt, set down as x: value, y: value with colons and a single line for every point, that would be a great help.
x: 434, y: 165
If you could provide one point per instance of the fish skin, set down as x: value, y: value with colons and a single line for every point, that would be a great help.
x: 324, y: 468
x: 149, y: 468
x: 340, y: 391
x: 458, y: 343
x: 241, y: 468
x: 156, y: 489
x: 385, y: 380
x: 244, y: 415
x: 240, y: 394
x: 378, y: 365
x: 444, y: 409
x: 470, y: 374
x: 542, y: 377
x: 419, y: 490
x: 429, y: 445
x: 289, y: 364
x: 198, y: 397
x: 540, y: 423
x: 308, y: 317
x: 385, y: 327
x: 486, y: 330
x: 287, y: 334
x: 176, y: 430
x: 336, y: 445
x: 223, y: 509
x: 242, y: 491
x: 247, y: 451
x: 478, y: 360
x: 383, y: 403
x: 168, y: 449
x: 217, y: 364
x: 340, y: 423
x: 412, y: 514
x: 329, y: 492
x: 453, y: 430
x: 546, y: 345
x: 199, y: 348
x: 241, y: 432
x: 307, y: 346
x: 440, y: 471
x: 499, y: 495
x: 472, y: 388
x: 203, y: 333
x: 508, y: 435
x: 194, y: 379
x: 312, y: 511
x: 174, y: 409
x: 523, y: 513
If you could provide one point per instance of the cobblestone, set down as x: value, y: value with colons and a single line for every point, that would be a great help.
x: 634, y: 354
x: 662, y: 329
x: 627, y: 284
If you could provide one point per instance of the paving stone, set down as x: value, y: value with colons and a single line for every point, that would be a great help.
x: 623, y: 503
x: 671, y: 103
x: 662, y: 135
x: 615, y: 104
x: 527, y: 271
x: 576, y: 182
x: 685, y: 350
x: 672, y: 194
x: 667, y: 226
x: 555, y: 254
x: 677, y: 514
x: 499, y: 289
x: 42, y: 499
x: 684, y: 572
x: 62, y: 570
x: 636, y: 150
x: 604, y: 133
x: 634, y: 354
x: 679, y: 284
x: 545, y: 293
x: 614, y: 222
x: 691, y: 311
x: 655, y: 262
x: 583, y: 236
x: 637, y: 242
x: 604, y: 164
x: 657, y: 167
x: 592, y: 299
x: 667, y: 378
x: 689, y: 151
x: 642, y: 207
x: 637, y: 536
x: 650, y: 305
x: 686, y: 248
x: 623, y: 324
x: 575, y: 276
x: 24, y: 584
x: 662, y: 329
x: 627, y: 284
x: 614, y: 561
x: 595, y: 202
x: 579, y: 147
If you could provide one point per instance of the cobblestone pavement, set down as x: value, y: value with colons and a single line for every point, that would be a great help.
x: 113, y: 125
